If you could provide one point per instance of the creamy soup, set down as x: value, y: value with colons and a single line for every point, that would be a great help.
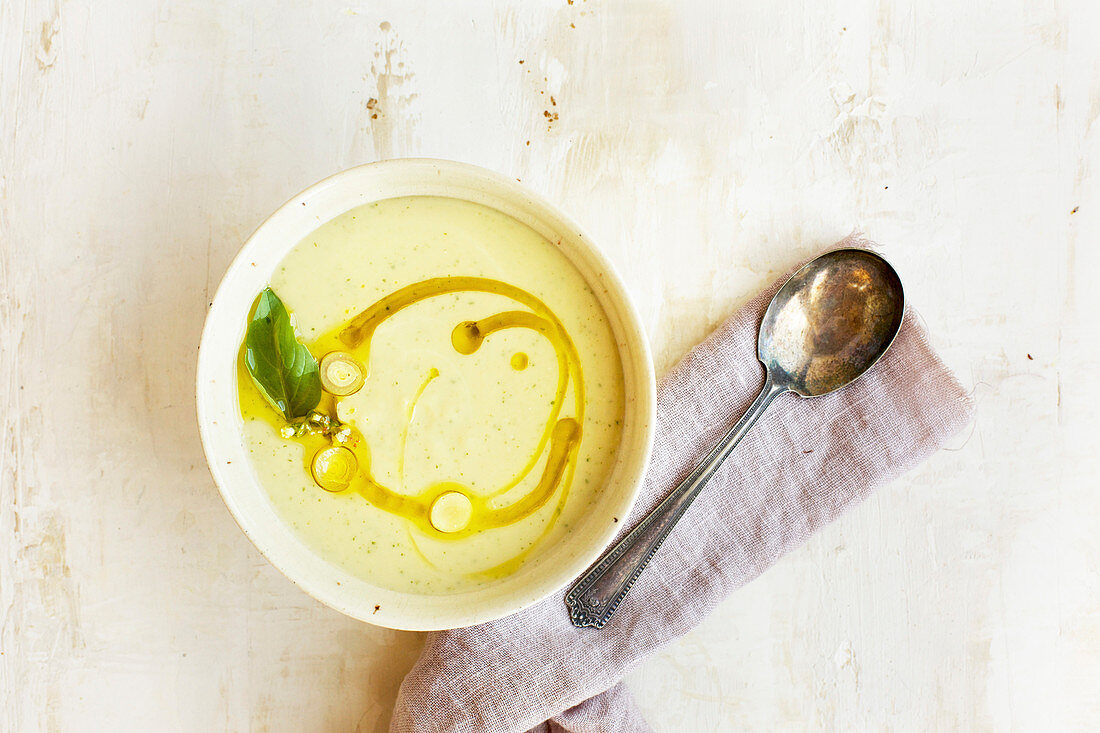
x: 471, y: 401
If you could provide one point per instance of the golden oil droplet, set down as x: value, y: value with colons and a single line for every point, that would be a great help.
x: 333, y: 468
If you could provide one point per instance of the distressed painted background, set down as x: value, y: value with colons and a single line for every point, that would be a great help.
x: 707, y: 146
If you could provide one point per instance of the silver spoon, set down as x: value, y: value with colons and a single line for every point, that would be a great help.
x: 827, y: 325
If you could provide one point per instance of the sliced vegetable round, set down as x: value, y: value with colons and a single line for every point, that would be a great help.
x: 334, y: 467
x: 341, y: 373
x: 451, y: 512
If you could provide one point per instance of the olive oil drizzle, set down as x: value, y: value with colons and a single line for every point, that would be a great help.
x: 559, y: 438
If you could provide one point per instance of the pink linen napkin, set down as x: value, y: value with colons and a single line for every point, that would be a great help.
x: 802, y: 465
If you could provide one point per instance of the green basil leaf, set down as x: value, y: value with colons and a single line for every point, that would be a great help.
x: 282, y: 368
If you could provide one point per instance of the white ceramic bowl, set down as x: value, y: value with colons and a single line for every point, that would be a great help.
x: 551, y: 568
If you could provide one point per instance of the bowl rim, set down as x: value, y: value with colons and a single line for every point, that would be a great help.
x: 284, y: 549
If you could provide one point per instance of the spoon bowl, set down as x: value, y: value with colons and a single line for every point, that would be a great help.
x: 831, y: 321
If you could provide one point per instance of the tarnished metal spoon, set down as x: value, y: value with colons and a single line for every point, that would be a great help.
x: 827, y: 325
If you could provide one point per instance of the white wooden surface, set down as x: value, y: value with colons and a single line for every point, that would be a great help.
x: 706, y: 146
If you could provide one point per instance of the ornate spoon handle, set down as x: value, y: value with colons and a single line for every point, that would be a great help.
x: 598, y: 592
